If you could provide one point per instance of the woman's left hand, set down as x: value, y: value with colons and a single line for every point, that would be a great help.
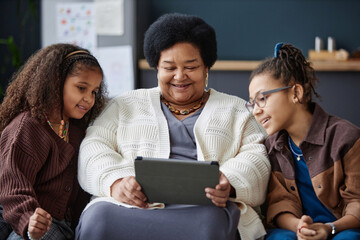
x: 221, y: 193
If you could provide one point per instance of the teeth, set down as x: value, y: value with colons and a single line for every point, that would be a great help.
x: 179, y: 85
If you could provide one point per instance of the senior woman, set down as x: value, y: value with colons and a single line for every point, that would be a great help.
x: 179, y: 119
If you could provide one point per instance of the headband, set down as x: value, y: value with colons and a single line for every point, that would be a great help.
x: 76, y: 52
x: 277, y: 48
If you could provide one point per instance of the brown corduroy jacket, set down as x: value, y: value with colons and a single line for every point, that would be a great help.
x: 39, y: 169
x: 331, y: 150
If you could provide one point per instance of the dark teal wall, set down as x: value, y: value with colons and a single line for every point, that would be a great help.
x: 248, y: 30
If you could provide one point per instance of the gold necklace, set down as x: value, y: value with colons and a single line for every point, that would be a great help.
x: 183, y: 111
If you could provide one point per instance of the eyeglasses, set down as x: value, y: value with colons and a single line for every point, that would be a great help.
x: 260, y: 98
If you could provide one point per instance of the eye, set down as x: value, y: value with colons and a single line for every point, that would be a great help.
x: 190, y: 68
x: 260, y: 98
x: 81, y: 88
x: 95, y: 92
x: 169, y: 68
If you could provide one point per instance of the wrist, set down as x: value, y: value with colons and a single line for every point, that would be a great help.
x: 28, y: 234
x: 332, y: 228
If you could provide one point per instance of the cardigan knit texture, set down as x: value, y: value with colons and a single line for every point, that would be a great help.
x: 38, y: 169
x: 331, y: 150
x: 133, y: 125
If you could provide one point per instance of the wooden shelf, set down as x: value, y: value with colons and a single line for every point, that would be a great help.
x: 224, y: 65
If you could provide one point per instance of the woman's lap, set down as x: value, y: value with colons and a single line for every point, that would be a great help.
x: 109, y: 221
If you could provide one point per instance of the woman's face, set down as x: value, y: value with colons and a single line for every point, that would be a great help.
x: 181, y: 74
x: 79, y: 92
x: 279, y: 110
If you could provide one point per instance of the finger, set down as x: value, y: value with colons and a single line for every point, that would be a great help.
x: 132, y: 184
x: 39, y: 219
x: 217, y: 192
x: 217, y: 200
x: 307, y: 232
x: 133, y: 190
x: 133, y: 199
x: 43, y: 213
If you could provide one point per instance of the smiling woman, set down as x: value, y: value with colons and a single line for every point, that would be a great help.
x: 180, y: 119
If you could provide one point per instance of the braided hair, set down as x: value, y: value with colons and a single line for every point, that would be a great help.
x: 291, y: 67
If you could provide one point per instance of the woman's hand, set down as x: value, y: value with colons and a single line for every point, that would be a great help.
x: 221, y: 193
x: 128, y: 190
x: 39, y: 223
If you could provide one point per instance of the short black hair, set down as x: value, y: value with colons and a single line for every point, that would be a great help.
x: 173, y: 28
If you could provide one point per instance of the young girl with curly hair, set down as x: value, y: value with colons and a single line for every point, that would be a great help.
x: 314, y: 190
x: 43, y: 117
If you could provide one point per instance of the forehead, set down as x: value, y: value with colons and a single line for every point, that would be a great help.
x: 263, y: 82
x: 181, y: 52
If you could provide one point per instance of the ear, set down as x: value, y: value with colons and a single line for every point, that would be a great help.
x: 298, y: 93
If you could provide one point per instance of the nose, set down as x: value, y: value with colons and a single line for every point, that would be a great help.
x: 179, y: 74
x: 88, y: 97
x: 257, y: 110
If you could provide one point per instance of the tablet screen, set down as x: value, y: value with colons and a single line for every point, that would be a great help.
x: 174, y: 181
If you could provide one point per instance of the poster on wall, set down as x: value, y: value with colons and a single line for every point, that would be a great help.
x: 117, y: 65
x: 76, y: 24
x: 109, y: 17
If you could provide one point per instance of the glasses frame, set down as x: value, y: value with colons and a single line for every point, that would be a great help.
x: 250, y: 106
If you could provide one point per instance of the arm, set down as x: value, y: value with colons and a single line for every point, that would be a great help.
x: 248, y: 172
x: 17, y: 178
x: 100, y: 161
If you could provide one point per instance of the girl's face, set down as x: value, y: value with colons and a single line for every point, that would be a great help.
x: 278, y: 112
x: 181, y: 74
x: 79, y: 92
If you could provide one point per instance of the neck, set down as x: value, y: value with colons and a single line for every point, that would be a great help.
x: 55, y: 117
x: 187, y: 108
x: 300, y: 126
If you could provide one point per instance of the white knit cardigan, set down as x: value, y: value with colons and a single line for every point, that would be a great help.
x: 133, y: 125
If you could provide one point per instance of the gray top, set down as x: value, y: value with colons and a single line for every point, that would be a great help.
x: 182, y: 138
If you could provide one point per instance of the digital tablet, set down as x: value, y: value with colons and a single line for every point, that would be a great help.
x: 174, y: 181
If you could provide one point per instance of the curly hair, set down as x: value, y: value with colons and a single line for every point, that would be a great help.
x: 291, y: 67
x: 37, y: 86
x: 173, y: 28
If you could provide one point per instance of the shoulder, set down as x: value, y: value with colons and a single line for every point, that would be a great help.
x: 225, y: 101
x: 341, y: 134
x: 343, y: 127
x: 27, y: 133
x: 23, y: 122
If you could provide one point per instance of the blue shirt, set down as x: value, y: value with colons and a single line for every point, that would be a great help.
x: 311, y: 204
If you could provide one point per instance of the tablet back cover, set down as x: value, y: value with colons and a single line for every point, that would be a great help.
x: 175, y: 181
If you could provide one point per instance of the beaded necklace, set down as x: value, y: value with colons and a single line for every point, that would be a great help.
x: 183, y: 111
x: 62, y: 131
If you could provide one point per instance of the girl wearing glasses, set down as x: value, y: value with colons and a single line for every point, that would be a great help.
x: 314, y: 190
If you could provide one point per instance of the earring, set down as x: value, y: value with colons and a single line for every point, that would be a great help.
x: 206, y: 80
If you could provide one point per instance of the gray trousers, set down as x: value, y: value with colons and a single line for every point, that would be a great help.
x: 59, y: 230
x: 105, y: 220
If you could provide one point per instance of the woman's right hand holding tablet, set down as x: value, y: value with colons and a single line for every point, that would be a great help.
x: 128, y: 190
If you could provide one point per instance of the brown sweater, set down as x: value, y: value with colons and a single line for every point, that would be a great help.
x: 39, y: 169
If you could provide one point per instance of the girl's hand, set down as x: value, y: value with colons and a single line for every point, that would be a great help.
x: 221, y: 193
x: 304, y: 230
x: 39, y: 223
x: 128, y: 190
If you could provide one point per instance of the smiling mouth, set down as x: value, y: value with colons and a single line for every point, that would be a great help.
x: 264, y: 121
x: 180, y: 85
x: 82, y: 108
